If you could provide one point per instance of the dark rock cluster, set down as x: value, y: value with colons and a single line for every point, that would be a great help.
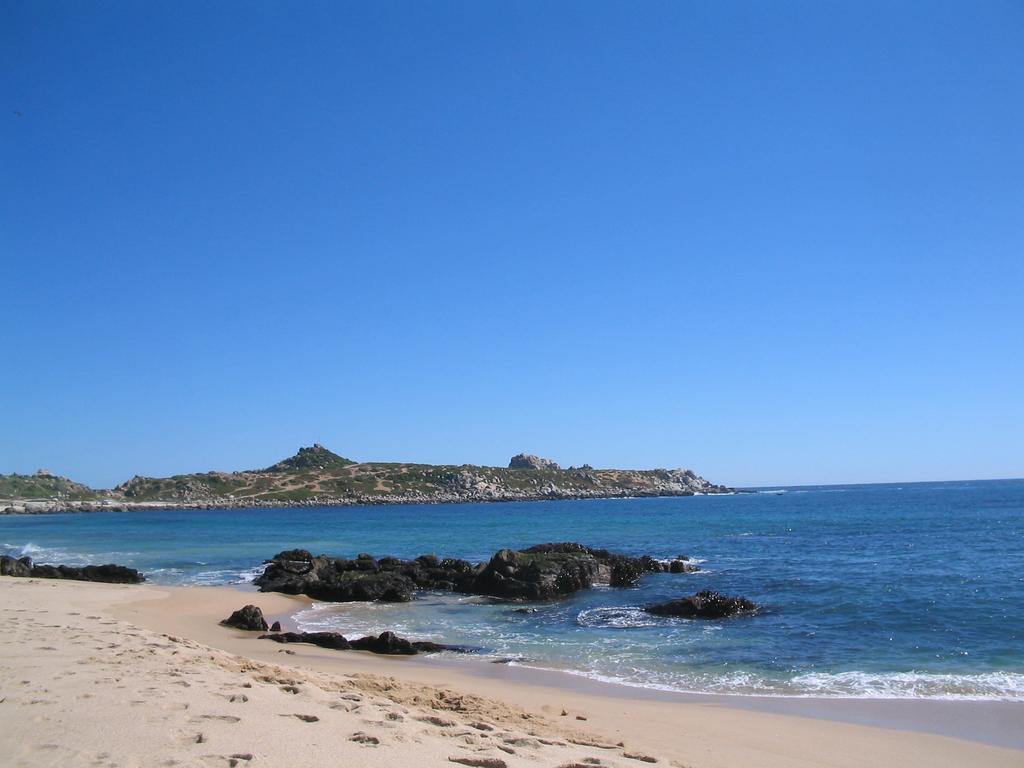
x: 364, y: 578
x: 386, y: 643
x: 704, y: 605
x: 539, y: 573
x: 109, y: 573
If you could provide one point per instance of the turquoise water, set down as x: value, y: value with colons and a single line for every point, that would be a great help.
x: 870, y: 590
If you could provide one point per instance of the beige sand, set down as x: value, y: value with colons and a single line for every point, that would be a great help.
x: 127, y: 675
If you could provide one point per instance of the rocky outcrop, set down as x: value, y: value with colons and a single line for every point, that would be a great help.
x: 314, y: 457
x: 387, y: 643
x: 704, y: 605
x: 542, y: 572
x: 547, y: 571
x: 529, y: 461
x: 109, y: 573
x: 339, y: 579
x: 249, y: 618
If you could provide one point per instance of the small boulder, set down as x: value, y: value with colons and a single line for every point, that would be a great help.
x: 704, y: 605
x: 10, y: 566
x: 275, y: 627
x: 681, y: 566
x: 249, y: 618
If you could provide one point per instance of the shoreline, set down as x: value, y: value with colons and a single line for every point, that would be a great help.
x: 988, y: 721
x: 56, y: 507
x: 994, y: 723
x: 181, y: 671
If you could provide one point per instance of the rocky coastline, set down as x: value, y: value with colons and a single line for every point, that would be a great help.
x: 57, y: 506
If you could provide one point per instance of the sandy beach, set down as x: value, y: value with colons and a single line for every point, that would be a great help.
x: 104, y: 675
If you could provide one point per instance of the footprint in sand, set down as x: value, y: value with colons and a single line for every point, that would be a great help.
x: 479, y: 762
x: 440, y: 722
x: 364, y: 738
x: 304, y: 718
x: 232, y: 761
x: 641, y: 758
x: 223, y: 718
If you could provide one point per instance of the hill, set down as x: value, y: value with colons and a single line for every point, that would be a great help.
x: 42, y: 486
x: 317, y: 476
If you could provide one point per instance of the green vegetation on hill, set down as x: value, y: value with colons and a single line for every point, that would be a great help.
x: 316, y: 474
x: 43, y: 486
x: 315, y: 457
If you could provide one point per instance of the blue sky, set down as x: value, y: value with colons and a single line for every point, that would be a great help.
x: 774, y: 242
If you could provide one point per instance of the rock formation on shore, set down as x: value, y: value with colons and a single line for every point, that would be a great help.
x: 539, y: 573
x: 386, y: 643
x: 109, y: 573
x: 249, y: 618
x: 316, y: 476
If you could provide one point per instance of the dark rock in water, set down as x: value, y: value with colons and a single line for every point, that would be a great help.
x: 704, y: 605
x: 336, y: 579
x: 387, y: 643
x: 537, y: 576
x: 249, y: 618
x: 538, y: 573
x: 275, y: 627
x: 552, y: 570
x: 110, y: 573
x: 626, y: 573
x: 390, y: 643
x: 681, y: 566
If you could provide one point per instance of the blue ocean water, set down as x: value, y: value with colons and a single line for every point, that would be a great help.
x: 909, y: 590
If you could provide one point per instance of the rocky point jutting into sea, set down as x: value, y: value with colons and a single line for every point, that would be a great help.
x: 316, y: 476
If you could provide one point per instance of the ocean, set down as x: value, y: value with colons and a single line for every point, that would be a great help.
x: 879, y: 591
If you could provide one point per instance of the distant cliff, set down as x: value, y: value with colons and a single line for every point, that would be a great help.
x: 316, y: 476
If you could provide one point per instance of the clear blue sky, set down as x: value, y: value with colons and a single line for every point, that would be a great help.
x: 776, y: 242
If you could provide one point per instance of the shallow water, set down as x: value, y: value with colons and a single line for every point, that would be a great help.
x: 870, y: 591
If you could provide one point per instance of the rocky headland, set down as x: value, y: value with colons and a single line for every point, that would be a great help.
x: 316, y: 476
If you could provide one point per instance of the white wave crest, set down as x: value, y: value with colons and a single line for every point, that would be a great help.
x: 987, y: 686
x: 626, y: 617
x: 57, y: 556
